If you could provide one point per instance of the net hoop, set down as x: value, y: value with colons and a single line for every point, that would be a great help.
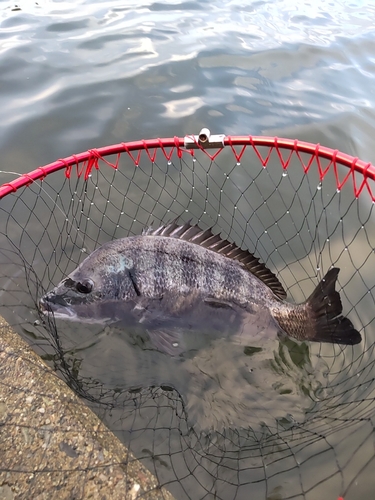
x: 87, y: 160
x: 265, y: 194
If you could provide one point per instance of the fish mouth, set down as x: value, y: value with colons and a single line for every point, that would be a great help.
x: 58, y: 310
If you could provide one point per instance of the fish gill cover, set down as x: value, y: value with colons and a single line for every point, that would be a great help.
x: 271, y: 416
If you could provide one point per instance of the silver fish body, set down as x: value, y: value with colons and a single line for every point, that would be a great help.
x: 179, y: 277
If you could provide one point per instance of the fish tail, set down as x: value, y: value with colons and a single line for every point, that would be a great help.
x: 320, y: 318
x: 325, y: 322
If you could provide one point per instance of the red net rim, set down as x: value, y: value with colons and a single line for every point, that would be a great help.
x: 90, y: 158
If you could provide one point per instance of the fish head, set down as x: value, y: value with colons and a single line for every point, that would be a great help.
x: 70, y: 298
x: 89, y: 293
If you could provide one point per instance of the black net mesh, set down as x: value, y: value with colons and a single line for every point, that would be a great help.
x: 293, y: 420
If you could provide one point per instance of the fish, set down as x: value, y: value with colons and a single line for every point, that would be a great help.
x: 180, y: 278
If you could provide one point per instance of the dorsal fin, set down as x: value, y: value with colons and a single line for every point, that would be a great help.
x: 214, y: 242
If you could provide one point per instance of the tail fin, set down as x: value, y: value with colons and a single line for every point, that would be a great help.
x: 325, y: 310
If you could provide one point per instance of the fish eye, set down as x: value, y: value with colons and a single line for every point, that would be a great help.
x: 84, y: 286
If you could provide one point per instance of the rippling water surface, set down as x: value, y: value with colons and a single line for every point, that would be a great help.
x: 79, y: 75
x: 76, y: 75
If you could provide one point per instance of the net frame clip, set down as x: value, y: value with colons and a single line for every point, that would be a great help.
x: 204, y: 140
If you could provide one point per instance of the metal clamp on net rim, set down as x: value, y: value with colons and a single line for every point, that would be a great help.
x: 204, y: 140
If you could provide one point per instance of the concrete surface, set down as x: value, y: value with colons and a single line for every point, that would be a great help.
x: 52, y: 446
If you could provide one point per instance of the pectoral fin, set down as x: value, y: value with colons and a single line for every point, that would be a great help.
x: 218, y: 303
x: 167, y: 340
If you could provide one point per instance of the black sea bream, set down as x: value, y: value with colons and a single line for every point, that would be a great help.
x: 179, y: 278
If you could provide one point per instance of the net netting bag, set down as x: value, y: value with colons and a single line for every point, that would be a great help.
x: 286, y: 420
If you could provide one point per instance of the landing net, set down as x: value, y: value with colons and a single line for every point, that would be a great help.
x: 307, y: 430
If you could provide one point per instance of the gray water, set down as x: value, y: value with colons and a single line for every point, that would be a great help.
x: 77, y: 75
x: 80, y: 75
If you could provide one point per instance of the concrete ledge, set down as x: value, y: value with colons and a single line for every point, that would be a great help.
x: 52, y: 446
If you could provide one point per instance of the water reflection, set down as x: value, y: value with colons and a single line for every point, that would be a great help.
x: 222, y: 383
x: 197, y: 420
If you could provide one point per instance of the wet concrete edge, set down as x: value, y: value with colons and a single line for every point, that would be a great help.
x: 51, y: 444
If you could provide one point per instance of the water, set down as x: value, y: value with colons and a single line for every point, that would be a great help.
x: 86, y: 74
x: 79, y: 75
